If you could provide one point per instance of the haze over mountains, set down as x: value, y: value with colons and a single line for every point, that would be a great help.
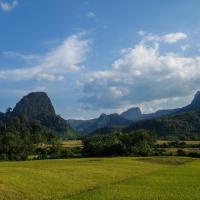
x: 88, y: 126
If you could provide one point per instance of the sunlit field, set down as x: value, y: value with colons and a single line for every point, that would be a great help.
x: 72, y: 143
x: 101, y: 178
x: 185, y: 141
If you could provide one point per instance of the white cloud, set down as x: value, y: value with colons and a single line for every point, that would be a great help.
x: 174, y: 37
x: 167, y: 38
x: 6, y: 6
x: 166, y: 103
x: 67, y: 57
x: 91, y: 14
x: 142, y: 74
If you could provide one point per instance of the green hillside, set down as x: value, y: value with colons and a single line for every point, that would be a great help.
x: 183, y: 126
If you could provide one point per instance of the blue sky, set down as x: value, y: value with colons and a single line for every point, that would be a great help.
x: 99, y: 56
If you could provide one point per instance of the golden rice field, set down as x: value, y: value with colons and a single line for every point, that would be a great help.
x: 121, y: 178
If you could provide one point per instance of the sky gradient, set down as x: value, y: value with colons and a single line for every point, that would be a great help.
x: 99, y: 56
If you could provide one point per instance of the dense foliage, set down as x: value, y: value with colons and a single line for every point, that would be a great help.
x: 139, y: 142
x: 180, y: 126
x: 18, y: 137
x: 58, y: 125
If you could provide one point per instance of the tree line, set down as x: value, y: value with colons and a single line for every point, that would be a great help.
x: 20, y: 139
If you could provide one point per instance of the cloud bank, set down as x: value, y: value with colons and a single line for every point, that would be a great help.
x: 143, y: 74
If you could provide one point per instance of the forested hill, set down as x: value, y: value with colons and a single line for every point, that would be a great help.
x: 33, y: 105
x: 182, y: 123
x: 183, y: 126
x: 37, y: 106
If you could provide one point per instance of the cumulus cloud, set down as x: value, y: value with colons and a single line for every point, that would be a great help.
x: 8, y: 6
x: 66, y: 57
x: 142, y: 74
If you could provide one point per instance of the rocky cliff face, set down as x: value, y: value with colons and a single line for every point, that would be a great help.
x: 38, y: 106
x: 196, y: 100
x: 132, y: 114
x: 33, y: 105
x: 194, y: 105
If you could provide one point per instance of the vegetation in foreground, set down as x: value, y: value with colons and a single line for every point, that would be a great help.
x: 119, y: 178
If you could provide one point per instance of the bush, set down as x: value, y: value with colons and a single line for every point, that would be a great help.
x: 194, y: 154
x: 181, y: 152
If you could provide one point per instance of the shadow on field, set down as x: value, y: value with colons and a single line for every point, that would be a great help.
x: 166, y: 160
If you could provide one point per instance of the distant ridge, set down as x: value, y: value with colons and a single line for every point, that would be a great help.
x: 131, y: 115
x: 88, y: 126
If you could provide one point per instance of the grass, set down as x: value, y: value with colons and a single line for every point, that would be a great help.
x: 101, y: 179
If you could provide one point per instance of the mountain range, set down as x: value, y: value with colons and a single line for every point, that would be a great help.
x: 88, y: 126
x: 38, y: 106
x: 128, y: 117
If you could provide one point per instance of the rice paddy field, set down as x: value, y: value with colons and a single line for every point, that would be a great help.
x: 121, y: 178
